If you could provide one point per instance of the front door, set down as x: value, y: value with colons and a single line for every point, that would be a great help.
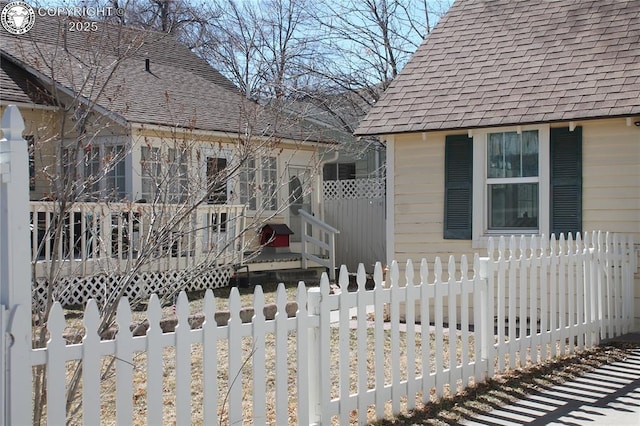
x: 300, y: 184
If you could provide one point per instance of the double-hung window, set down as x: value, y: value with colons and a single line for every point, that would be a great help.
x: 511, y: 182
x: 178, y: 178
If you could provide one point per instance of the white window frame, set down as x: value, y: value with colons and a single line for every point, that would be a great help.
x: 93, y: 160
x: 261, y: 183
x: 480, y: 219
x: 171, y: 166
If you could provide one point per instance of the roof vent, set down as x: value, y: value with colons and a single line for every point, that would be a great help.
x: 147, y: 65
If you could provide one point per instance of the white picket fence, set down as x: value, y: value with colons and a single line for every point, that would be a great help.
x: 533, y: 299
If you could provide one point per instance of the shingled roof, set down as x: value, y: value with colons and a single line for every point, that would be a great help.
x: 509, y: 62
x: 142, y: 77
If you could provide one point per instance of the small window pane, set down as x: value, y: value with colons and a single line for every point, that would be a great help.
x: 269, y: 183
x: 530, y: 153
x: 217, y: 180
x: 514, y: 206
x: 32, y: 162
x: 248, y: 183
x: 510, y: 154
x: 115, y: 162
x: 92, y: 171
x: 150, y: 165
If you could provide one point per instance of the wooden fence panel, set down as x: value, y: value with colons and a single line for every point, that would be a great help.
x: 357, y: 208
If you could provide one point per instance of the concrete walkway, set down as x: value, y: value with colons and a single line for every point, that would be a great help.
x: 608, y: 395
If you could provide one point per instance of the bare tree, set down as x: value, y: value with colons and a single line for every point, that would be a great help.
x: 266, y: 47
x: 80, y: 148
x: 370, y: 41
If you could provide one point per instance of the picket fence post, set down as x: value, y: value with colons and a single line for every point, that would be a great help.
x: 15, y: 272
x: 485, y: 329
x: 314, y: 386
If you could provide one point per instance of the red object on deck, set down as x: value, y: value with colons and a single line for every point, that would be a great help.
x: 275, y: 235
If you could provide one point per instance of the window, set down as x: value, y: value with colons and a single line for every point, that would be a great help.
x: 339, y: 171
x: 259, y: 182
x: 269, y: 185
x: 513, y: 181
x: 32, y: 162
x: 97, y: 160
x: 164, y: 177
x: 115, y: 181
x: 178, y: 177
x: 150, y: 172
x: 217, y: 180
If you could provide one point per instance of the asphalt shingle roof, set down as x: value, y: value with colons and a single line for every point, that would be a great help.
x: 507, y: 62
x: 17, y: 87
x: 180, y: 88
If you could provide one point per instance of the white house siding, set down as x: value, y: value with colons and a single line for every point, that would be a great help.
x: 419, y: 196
x: 611, y: 176
x: 611, y: 181
x: 611, y: 190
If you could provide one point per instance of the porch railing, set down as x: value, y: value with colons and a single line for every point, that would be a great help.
x: 316, y: 233
x: 93, y: 238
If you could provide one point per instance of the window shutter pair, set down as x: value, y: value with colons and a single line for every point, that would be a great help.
x: 565, y: 186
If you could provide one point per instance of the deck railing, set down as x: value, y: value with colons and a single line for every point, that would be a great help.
x: 316, y: 233
x: 93, y: 238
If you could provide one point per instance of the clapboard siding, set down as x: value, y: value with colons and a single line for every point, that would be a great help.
x: 611, y: 169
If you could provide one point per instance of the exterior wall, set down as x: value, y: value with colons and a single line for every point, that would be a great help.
x: 611, y: 176
x: 418, y: 192
x: 288, y: 155
x: 611, y: 190
x: 611, y: 182
x: 44, y: 125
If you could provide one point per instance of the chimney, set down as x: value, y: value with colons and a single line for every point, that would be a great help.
x: 147, y: 65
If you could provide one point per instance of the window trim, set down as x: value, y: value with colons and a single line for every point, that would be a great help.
x: 480, y: 211
x: 257, y: 193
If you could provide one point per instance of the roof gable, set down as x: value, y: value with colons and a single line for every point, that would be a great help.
x: 506, y: 62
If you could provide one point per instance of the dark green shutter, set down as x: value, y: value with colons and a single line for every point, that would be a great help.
x: 566, y: 181
x: 458, y: 187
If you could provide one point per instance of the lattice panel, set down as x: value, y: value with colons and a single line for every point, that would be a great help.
x: 78, y: 290
x: 354, y: 188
